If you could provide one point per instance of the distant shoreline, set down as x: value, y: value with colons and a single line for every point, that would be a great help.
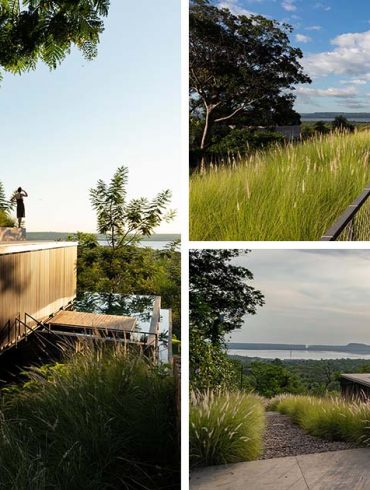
x: 359, y: 117
x: 56, y: 235
x: 354, y: 348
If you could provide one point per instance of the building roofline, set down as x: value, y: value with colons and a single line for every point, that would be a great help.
x: 359, y: 378
x: 7, y: 248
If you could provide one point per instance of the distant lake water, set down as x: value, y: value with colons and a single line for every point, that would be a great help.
x: 330, y: 119
x: 156, y: 245
x: 297, y: 354
x: 53, y: 236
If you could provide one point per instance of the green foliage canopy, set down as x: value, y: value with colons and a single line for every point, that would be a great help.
x: 5, y: 204
x: 209, y: 366
x: 219, y: 295
x: 342, y: 124
x: 131, y: 270
x: 239, y: 64
x: 127, y: 222
x: 271, y: 379
x: 46, y: 30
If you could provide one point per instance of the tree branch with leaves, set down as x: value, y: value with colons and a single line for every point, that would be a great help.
x: 127, y: 222
x: 46, y: 30
x: 220, y: 296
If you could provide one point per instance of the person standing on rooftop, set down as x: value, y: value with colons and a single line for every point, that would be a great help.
x: 18, y: 196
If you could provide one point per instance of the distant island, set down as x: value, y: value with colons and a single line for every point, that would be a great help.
x: 56, y: 235
x: 352, y: 116
x: 355, y: 348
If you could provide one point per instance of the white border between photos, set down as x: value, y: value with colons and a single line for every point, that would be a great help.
x: 185, y: 245
x: 317, y: 245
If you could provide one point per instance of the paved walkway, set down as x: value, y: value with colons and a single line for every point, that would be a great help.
x: 336, y: 470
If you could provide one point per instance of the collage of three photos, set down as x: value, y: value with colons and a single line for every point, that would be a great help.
x: 160, y: 332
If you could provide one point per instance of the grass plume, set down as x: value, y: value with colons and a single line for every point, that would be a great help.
x: 100, y: 420
x: 225, y: 428
x: 291, y: 192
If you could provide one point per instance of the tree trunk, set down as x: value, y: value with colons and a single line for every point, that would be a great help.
x: 204, y: 139
x: 205, y: 130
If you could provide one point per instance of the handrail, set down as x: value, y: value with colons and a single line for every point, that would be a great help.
x: 19, y: 322
x: 336, y: 229
x: 38, y: 322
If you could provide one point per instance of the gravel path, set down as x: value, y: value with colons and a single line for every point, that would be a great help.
x: 283, y: 438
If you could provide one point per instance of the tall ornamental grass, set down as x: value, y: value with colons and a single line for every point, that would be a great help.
x: 291, y: 192
x: 101, y: 420
x: 225, y: 428
x: 329, y: 418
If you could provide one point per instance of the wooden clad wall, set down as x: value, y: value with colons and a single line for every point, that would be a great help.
x: 38, y: 282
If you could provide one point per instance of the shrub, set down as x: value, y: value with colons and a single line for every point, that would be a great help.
x: 6, y: 220
x: 209, y: 365
x: 270, y: 379
x: 330, y: 418
x: 101, y: 420
x: 243, y: 141
x: 225, y: 428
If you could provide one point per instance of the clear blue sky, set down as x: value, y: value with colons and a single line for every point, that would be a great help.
x: 312, y: 297
x: 63, y: 130
x: 334, y: 36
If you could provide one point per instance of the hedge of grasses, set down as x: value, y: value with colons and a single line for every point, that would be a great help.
x: 225, y: 428
x: 291, y: 192
x: 329, y: 418
x: 101, y: 420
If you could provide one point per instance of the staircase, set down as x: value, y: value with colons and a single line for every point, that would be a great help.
x: 17, y: 331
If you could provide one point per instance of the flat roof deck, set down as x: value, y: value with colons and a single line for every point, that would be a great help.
x: 7, y: 248
x: 78, y: 319
x: 360, y: 378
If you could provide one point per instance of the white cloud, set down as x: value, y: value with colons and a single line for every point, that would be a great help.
x: 301, y: 38
x: 322, y: 6
x: 313, y: 28
x: 350, y: 57
x: 348, y: 97
x: 345, y: 92
x: 305, y: 290
x: 354, y: 81
x: 235, y: 7
x: 289, y: 5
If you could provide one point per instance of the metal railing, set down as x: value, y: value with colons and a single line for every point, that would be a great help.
x: 354, y: 223
x: 13, y: 332
x: 147, y: 341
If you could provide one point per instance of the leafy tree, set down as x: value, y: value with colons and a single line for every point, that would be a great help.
x: 46, y: 30
x: 242, y: 140
x: 5, y: 204
x: 238, y: 64
x: 219, y: 295
x: 342, y: 124
x: 125, y: 222
x: 5, y: 208
x: 307, y: 131
x: 321, y: 127
x: 130, y: 270
x: 271, y: 379
x: 209, y: 366
x: 6, y: 220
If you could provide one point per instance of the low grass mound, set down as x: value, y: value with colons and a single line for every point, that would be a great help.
x: 291, y: 192
x: 101, y: 420
x: 333, y: 419
x: 225, y: 428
